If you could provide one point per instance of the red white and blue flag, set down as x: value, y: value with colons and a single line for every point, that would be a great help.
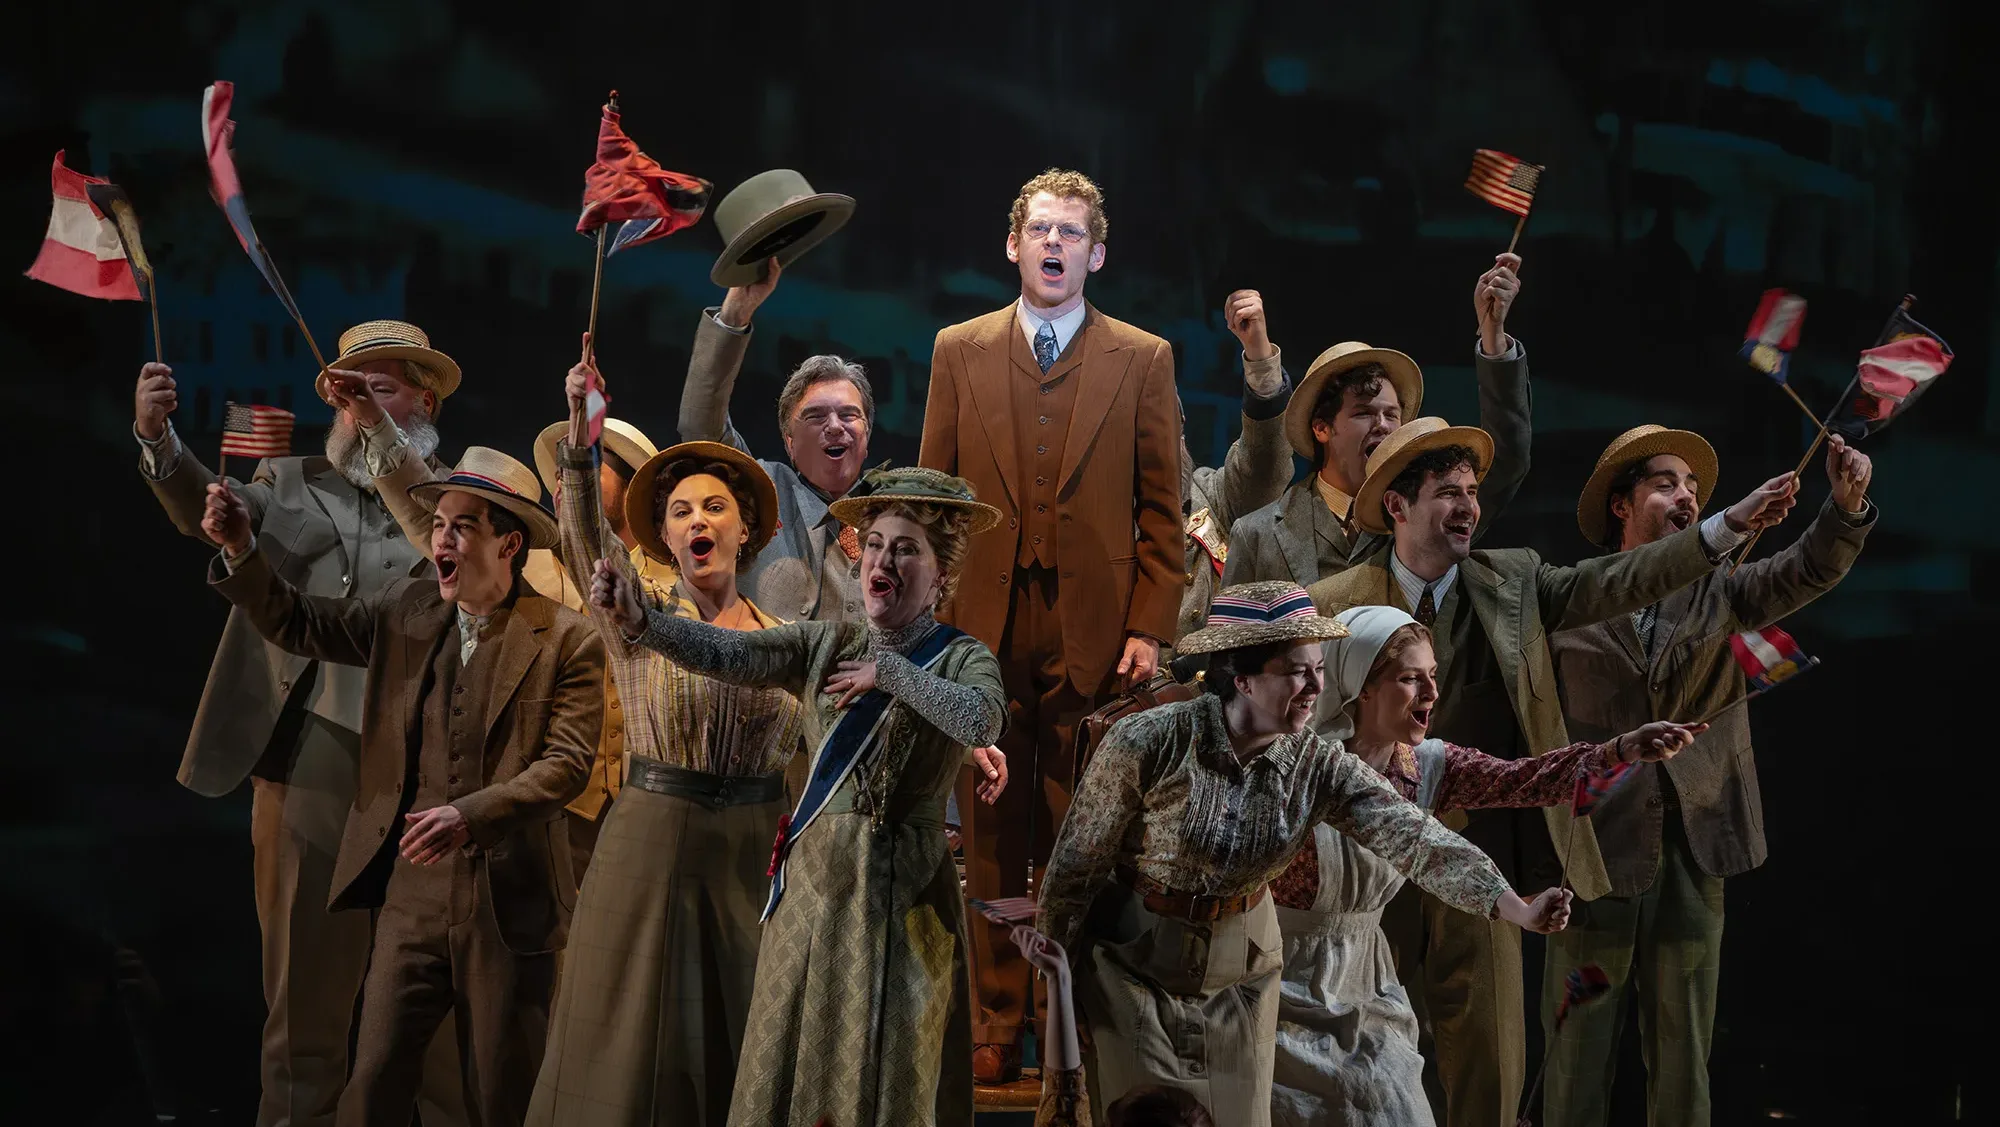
x: 1595, y: 786
x: 1769, y: 657
x: 1506, y: 182
x: 1905, y: 361
x: 1774, y: 332
x: 1582, y: 986
x: 84, y: 251
x: 627, y: 187
x: 253, y: 430
x: 217, y: 134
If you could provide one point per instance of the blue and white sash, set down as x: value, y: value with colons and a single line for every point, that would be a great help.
x: 834, y: 759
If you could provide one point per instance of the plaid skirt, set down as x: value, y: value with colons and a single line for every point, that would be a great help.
x: 662, y: 960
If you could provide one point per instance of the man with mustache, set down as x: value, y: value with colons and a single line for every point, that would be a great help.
x: 1349, y: 401
x: 292, y: 725
x: 1066, y: 420
x: 1670, y: 835
x: 1490, y: 613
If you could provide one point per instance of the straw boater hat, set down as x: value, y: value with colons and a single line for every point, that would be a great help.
x: 627, y: 442
x: 639, y: 495
x: 1637, y: 445
x: 1404, y: 376
x: 394, y: 340
x: 773, y: 213
x: 1415, y: 437
x: 914, y: 483
x: 1255, y: 614
x: 507, y: 483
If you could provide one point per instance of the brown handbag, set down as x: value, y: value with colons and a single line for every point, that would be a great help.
x: 1162, y: 689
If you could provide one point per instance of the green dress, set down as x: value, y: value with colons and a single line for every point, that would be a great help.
x: 859, y: 1015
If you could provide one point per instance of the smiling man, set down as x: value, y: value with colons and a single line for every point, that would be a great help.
x: 1490, y: 613
x: 482, y: 707
x: 1066, y: 420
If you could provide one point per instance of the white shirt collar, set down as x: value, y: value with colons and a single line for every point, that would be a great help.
x: 1413, y: 586
x: 1065, y: 325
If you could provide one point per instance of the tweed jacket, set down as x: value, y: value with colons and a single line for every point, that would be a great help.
x: 1609, y: 686
x: 794, y: 576
x: 1519, y: 600
x: 1297, y: 538
x: 1253, y: 474
x: 543, y: 707
x: 307, y: 518
x: 1119, y: 551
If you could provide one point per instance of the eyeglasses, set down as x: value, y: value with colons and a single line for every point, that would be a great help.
x: 1039, y: 229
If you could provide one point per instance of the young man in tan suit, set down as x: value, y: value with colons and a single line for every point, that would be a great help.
x: 1068, y: 422
x: 1672, y: 832
x: 1490, y: 613
x: 484, y: 703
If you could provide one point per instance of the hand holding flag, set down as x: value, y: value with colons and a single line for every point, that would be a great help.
x: 587, y: 401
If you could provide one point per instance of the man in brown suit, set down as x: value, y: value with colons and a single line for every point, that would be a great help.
x: 484, y: 703
x: 1068, y: 422
x: 1490, y: 613
x: 1672, y: 832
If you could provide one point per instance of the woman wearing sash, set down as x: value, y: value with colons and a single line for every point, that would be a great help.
x: 1209, y: 799
x: 662, y: 956
x: 859, y: 1015
x: 1347, y: 1038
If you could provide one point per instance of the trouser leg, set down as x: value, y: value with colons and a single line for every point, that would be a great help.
x: 1583, y: 1054
x: 403, y: 1003
x: 503, y: 1008
x: 1680, y: 958
x: 1472, y: 990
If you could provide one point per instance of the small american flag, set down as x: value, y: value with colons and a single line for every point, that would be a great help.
x: 252, y: 430
x: 1507, y: 183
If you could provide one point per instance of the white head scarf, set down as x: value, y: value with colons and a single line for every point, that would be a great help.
x: 1348, y: 661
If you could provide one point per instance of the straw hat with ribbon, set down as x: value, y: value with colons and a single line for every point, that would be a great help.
x: 1637, y: 445
x: 772, y: 214
x: 1418, y: 436
x: 488, y: 473
x: 621, y: 439
x: 639, y: 520
x: 916, y: 484
x: 1404, y: 376
x: 1256, y: 614
x: 394, y: 340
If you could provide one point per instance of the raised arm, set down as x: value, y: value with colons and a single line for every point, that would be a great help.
x: 1361, y: 804
x: 1764, y: 591
x: 558, y: 774
x: 720, y: 340
x: 1504, y: 405
x: 587, y: 537
x: 969, y: 708
x: 775, y: 656
x: 1259, y: 463
x: 172, y: 471
x: 340, y: 630
x: 1106, y: 803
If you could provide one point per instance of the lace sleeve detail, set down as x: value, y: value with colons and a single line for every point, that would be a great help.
x: 775, y: 656
x: 967, y: 715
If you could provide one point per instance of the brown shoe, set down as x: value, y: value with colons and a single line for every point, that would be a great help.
x: 996, y: 1064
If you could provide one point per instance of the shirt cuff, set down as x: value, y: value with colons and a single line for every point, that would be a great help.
x: 1265, y: 378
x: 383, y: 447
x: 230, y: 563
x: 714, y: 313
x: 1856, y: 520
x: 1511, y: 352
x: 160, y: 457
x: 575, y: 457
x: 1718, y: 537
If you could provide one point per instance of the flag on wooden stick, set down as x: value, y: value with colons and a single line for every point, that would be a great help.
x: 85, y: 251
x: 1768, y: 657
x: 1506, y: 182
x: 218, y: 133
x: 627, y: 187
x: 1891, y: 376
x: 253, y: 430
x: 1774, y: 332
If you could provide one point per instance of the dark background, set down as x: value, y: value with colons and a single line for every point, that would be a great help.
x: 422, y: 159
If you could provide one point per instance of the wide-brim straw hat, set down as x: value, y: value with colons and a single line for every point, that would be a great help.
x: 1256, y: 614
x: 639, y: 495
x: 1404, y: 376
x: 627, y: 442
x: 393, y: 340
x: 1637, y: 445
x: 1415, y: 437
x: 485, y: 472
x: 914, y: 484
x: 773, y: 214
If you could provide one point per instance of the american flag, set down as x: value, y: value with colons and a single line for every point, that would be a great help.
x: 1507, y: 183
x: 252, y: 430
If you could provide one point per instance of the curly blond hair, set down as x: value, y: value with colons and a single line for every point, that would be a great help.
x: 1063, y: 184
x: 947, y: 527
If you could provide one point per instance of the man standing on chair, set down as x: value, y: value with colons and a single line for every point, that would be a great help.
x: 1066, y: 420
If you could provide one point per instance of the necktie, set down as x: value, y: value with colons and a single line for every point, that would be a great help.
x: 1045, y: 346
x: 1643, y: 621
x: 850, y: 542
x: 1427, y: 610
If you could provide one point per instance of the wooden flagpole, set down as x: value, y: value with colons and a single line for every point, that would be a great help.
x: 597, y: 270
x: 1518, y: 224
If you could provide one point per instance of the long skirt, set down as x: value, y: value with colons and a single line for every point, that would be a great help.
x: 661, y: 963
x: 1347, y: 1038
x: 1183, y: 1005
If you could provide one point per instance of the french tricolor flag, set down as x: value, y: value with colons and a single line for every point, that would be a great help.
x: 82, y: 251
x: 1769, y: 657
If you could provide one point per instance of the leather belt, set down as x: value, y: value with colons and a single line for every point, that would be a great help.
x: 716, y: 791
x: 1192, y: 907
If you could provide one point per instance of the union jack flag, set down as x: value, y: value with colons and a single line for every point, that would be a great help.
x: 1506, y: 182
x: 253, y: 430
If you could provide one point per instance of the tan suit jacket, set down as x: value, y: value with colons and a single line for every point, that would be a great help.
x: 542, y: 709
x: 1119, y: 548
x: 1519, y: 600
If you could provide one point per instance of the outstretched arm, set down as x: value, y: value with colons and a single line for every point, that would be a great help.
x: 1764, y: 591
x: 1106, y: 802
x: 340, y: 630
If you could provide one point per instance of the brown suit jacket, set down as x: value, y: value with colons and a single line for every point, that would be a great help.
x: 1608, y: 686
x: 1119, y: 547
x: 543, y: 709
x: 1519, y: 599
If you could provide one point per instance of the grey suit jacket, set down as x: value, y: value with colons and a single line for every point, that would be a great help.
x: 306, y: 516
x: 1608, y: 686
x: 1297, y: 538
x: 793, y: 577
x: 1253, y: 474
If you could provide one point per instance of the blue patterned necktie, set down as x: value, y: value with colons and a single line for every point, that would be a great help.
x: 1045, y: 346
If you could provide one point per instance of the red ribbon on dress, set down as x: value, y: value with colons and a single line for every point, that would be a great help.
x: 778, y: 846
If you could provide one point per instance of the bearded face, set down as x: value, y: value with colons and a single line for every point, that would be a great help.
x: 344, y: 447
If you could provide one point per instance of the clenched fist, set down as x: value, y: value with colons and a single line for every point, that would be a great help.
x: 153, y: 401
